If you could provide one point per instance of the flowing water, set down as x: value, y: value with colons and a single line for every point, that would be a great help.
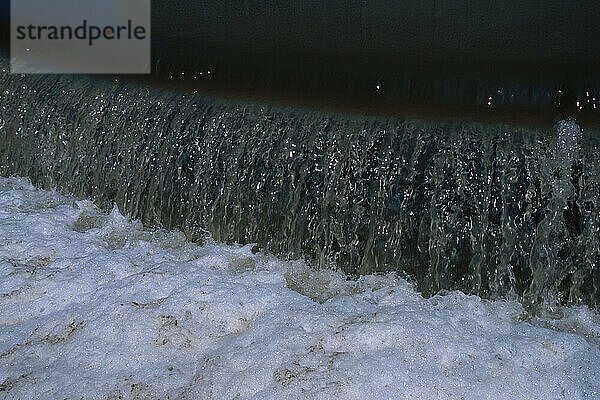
x: 95, y: 306
x: 494, y: 210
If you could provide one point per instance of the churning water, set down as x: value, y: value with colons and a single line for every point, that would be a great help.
x: 494, y: 210
x: 94, y: 306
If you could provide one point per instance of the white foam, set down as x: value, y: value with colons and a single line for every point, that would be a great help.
x: 92, y: 306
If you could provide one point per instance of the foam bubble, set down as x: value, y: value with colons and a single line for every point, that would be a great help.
x: 94, y: 306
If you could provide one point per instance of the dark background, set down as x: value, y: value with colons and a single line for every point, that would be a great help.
x: 422, y: 54
x: 513, y: 35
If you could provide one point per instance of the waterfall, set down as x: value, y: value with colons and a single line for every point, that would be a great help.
x: 495, y: 210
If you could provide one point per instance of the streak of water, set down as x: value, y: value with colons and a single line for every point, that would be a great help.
x: 496, y: 210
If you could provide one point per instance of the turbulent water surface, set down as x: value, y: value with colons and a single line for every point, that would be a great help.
x: 93, y: 306
x: 494, y: 210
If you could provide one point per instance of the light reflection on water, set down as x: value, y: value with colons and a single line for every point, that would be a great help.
x: 496, y: 210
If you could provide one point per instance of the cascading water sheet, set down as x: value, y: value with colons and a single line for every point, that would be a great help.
x: 495, y: 210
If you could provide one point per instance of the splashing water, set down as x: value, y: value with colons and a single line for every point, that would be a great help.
x: 494, y: 210
x: 93, y: 305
